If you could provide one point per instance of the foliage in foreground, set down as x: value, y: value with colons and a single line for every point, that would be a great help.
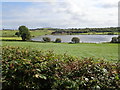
x: 28, y: 69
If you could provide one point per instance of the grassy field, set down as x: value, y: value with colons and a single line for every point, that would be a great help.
x: 39, y: 33
x: 10, y: 38
x: 105, y: 51
x: 11, y: 33
x: 7, y: 33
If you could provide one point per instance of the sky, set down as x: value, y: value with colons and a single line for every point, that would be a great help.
x: 59, y: 13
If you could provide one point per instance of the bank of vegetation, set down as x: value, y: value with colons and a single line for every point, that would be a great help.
x: 87, y: 31
x: 24, y: 68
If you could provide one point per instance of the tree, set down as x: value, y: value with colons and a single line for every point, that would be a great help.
x: 75, y: 40
x: 17, y: 33
x: 58, y: 40
x: 114, y: 40
x: 24, y: 33
x: 118, y: 39
x: 46, y: 39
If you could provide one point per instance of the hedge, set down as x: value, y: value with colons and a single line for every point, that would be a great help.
x: 23, y: 68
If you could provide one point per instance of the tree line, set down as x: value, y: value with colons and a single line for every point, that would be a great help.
x: 86, y: 30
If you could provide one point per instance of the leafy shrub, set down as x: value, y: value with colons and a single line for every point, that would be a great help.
x: 114, y: 40
x: 27, y: 69
x: 46, y: 39
x: 75, y: 40
x: 118, y: 39
x: 58, y: 40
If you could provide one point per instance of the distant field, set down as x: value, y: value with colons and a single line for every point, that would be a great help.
x: 10, y: 38
x: 11, y: 33
x: 106, y: 51
x: 8, y: 33
x: 39, y: 33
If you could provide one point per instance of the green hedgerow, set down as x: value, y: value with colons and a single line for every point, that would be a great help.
x: 27, y: 69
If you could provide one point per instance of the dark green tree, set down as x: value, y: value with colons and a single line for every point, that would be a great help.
x: 46, y: 39
x: 118, y: 39
x: 17, y: 33
x: 58, y: 40
x: 24, y: 33
x: 114, y: 40
x: 75, y: 40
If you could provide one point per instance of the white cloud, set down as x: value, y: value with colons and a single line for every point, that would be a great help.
x: 70, y: 13
x: 32, y: 0
x: 95, y: 14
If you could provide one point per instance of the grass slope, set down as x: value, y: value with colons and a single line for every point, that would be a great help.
x: 106, y: 51
x: 10, y: 38
x: 11, y: 33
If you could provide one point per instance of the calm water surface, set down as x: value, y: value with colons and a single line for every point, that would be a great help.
x: 83, y: 38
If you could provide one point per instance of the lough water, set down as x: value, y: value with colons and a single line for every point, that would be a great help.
x: 83, y: 38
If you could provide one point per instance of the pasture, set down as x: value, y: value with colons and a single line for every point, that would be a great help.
x: 104, y: 51
x: 11, y: 33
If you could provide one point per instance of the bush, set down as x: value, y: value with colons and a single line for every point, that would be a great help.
x: 118, y: 39
x: 110, y: 33
x: 75, y: 40
x: 58, y: 40
x: 114, y: 40
x: 27, y: 69
x: 46, y: 39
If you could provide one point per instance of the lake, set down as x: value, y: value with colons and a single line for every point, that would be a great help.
x: 83, y: 38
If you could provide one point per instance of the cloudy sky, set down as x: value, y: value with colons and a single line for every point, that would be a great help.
x: 59, y: 13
